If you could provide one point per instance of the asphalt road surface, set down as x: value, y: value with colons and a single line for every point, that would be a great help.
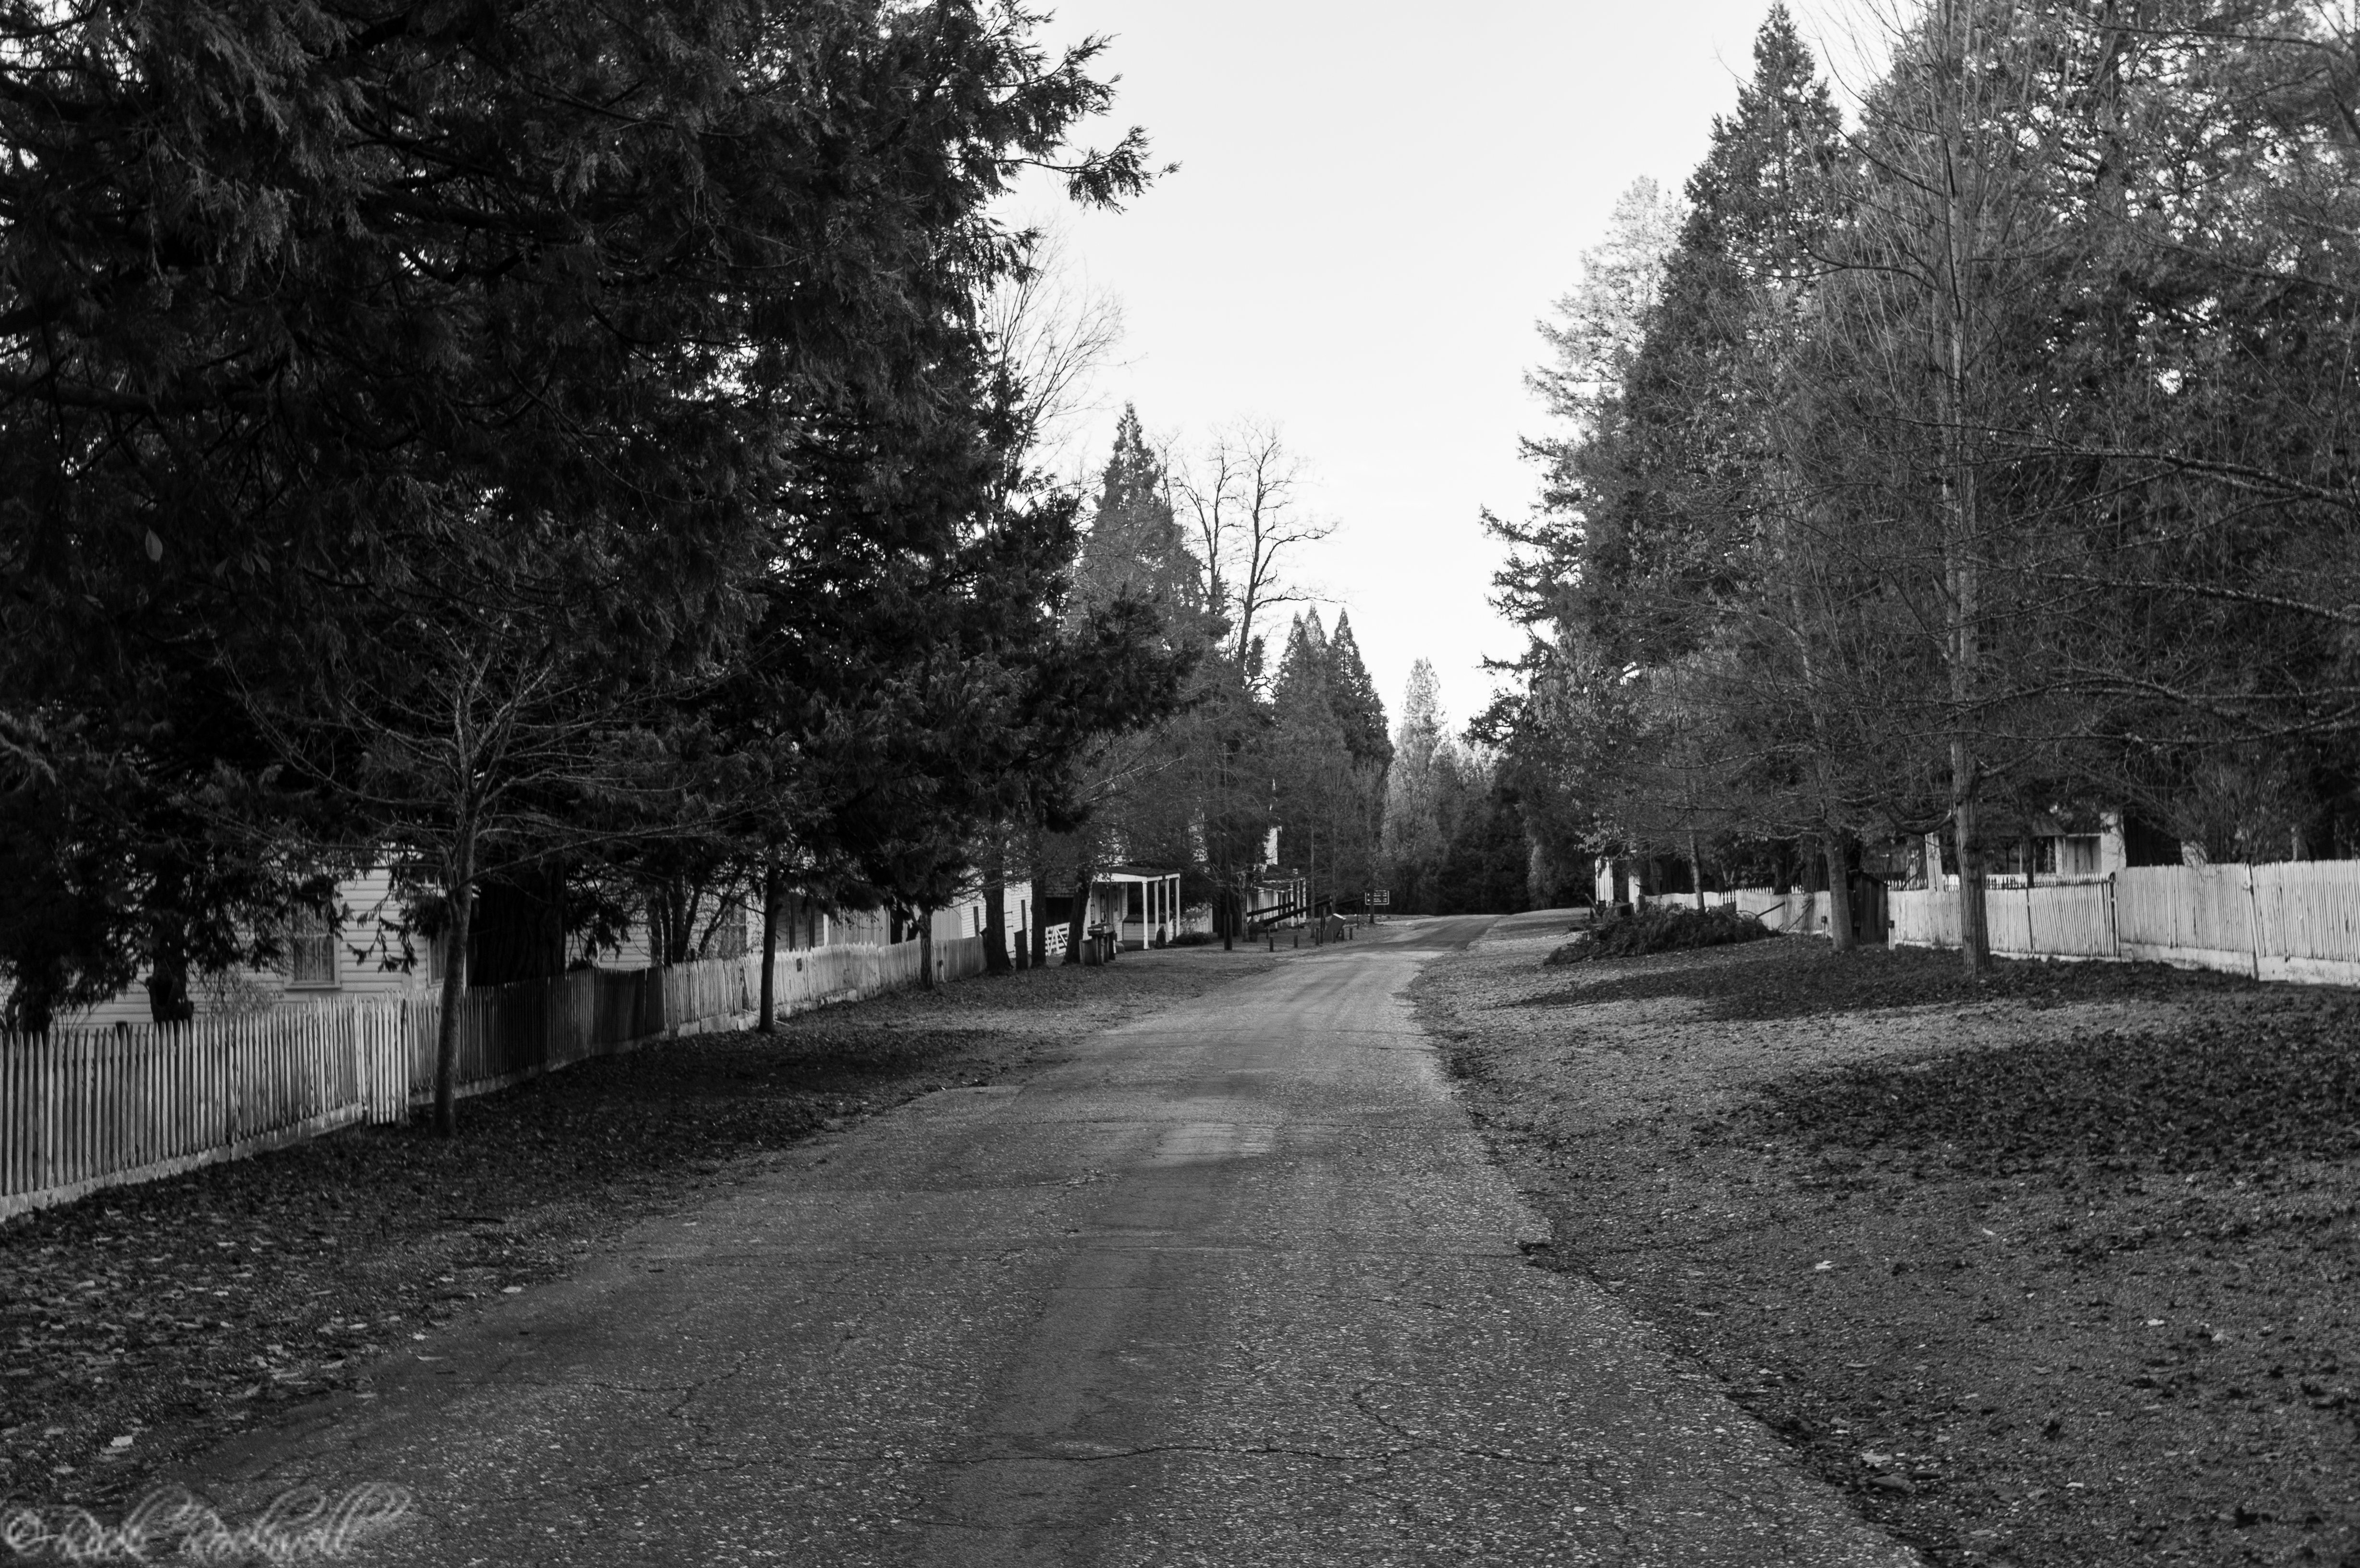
x: 1236, y: 1286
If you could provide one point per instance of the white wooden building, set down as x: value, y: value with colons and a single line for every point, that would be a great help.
x: 1145, y: 906
x: 362, y: 957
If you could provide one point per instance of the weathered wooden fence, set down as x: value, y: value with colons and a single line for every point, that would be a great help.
x: 84, y: 1109
x: 1801, y: 912
x: 2295, y: 919
x: 839, y: 973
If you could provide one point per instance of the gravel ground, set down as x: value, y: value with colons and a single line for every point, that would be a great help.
x: 2053, y: 1269
x: 143, y: 1323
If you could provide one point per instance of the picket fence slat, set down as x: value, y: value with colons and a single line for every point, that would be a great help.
x: 83, y: 1109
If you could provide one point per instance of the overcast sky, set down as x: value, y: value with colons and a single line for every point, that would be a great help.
x: 1375, y: 204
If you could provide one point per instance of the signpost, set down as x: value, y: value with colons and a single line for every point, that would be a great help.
x: 1377, y: 899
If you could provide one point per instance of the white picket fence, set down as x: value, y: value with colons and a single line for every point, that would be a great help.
x: 1804, y: 913
x: 2297, y: 920
x: 1800, y: 913
x: 823, y: 975
x: 83, y: 1109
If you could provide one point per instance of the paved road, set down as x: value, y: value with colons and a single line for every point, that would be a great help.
x: 1234, y: 1286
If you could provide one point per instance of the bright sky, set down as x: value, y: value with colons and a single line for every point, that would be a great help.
x: 1376, y: 203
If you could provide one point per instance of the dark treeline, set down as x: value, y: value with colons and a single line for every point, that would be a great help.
x: 1265, y: 764
x: 1978, y: 457
x: 559, y: 453
x: 1454, y: 840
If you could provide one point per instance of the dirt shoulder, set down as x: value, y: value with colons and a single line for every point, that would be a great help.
x: 145, y: 1323
x: 2054, y: 1268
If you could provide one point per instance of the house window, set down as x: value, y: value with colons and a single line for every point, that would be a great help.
x: 310, y: 950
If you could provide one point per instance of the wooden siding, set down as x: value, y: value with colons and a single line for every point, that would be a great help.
x: 364, y: 946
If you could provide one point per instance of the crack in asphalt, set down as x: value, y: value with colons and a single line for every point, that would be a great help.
x: 702, y: 1428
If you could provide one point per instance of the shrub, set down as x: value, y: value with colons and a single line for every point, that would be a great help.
x: 1661, y: 929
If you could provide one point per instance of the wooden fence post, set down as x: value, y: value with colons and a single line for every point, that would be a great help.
x: 2254, y: 921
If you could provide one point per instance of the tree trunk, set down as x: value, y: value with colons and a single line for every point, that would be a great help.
x: 28, y: 1011
x: 925, y: 949
x: 1232, y: 913
x: 1696, y: 871
x: 167, y: 974
x: 995, y: 906
x: 1974, y: 934
x: 461, y: 895
x: 1078, y: 924
x: 1838, y: 856
x: 1962, y: 545
x: 1975, y: 941
x: 762, y: 1024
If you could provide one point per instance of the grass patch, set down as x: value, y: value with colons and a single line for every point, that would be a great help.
x: 2230, y: 1096
x: 1807, y: 978
x: 2045, y: 1268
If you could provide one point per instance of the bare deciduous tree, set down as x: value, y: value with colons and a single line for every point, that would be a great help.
x: 1051, y: 333
x: 1242, y: 497
x: 467, y: 743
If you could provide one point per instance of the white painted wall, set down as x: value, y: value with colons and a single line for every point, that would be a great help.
x: 366, y: 944
x: 363, y: 949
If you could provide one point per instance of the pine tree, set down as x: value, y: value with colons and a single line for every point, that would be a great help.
x: 1423, y: 793
x: 1135, y: 545
x: 1676, y: 472
x: 1353, y: 696
x: 1301, y: 689
x: 1330, y: 800
x: 537, y: 337
x: 1484, y: 871
x: 1600, y: 326
x: 1143, y: 795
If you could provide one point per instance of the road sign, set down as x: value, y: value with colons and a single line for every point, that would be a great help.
x: 1380, y: 898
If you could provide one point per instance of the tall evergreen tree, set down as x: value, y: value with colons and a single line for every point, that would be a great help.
x: 1975, y: 468
x: 543, y: 330
x: 1672, y: 582
x: 1673, y: 481
x: 1311, y: 762
x: 1135, y: 546
x: 1483, y: 869
x: 1360, y: 711
x: 1137, y: 794
x: 1424, y: 794
x: 1301, y: 685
